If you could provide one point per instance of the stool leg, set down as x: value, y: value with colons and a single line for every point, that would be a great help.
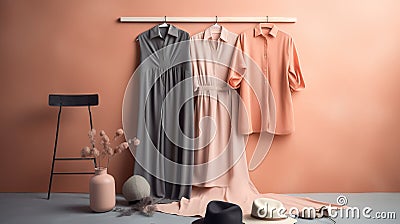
x: 54, y: 153
x: 91, y: 127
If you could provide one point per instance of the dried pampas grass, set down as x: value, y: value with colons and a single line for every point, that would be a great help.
x: 145, y: 206
x: 105, y: 151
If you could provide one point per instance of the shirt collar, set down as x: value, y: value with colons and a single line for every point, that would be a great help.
x: 258, y: 30
x: 155, y: 31
x: 223, y: 36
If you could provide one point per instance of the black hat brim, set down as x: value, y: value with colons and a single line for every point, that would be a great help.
x: 198, y: 221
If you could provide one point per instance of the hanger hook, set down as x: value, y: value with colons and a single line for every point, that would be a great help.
x: 165, y: 19
x: 267, y: 19
x: 216, y: 19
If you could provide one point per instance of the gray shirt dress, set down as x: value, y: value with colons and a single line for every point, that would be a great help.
x: 165, y: 120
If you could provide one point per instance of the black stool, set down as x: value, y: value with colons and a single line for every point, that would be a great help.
x: 70, y: 101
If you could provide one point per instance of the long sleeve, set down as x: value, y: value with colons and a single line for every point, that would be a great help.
x: 296, y: 80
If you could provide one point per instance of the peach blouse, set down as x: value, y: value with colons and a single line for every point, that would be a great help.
x: 267, y: 57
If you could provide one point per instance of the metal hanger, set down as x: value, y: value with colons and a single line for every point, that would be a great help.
x: 267, y: 24
x: 165, y: 24
x: 216, y: 28
x: 216, y: 21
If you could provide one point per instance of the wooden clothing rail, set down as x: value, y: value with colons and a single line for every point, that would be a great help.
x: 259, y: 19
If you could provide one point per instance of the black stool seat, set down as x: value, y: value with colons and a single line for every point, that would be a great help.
x: 73, y: 100
x: 60, y: 101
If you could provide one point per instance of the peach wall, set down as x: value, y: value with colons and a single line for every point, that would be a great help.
x: 347, y: 119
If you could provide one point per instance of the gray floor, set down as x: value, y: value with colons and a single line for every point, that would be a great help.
x: 33, y: 208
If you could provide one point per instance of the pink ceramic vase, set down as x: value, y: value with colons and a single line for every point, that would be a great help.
x: 102, y: 191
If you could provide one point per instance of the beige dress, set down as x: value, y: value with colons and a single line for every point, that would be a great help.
x: 220, y: 145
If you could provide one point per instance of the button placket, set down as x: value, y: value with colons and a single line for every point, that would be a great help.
x: 265, y: 57
x: 165, y: 44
